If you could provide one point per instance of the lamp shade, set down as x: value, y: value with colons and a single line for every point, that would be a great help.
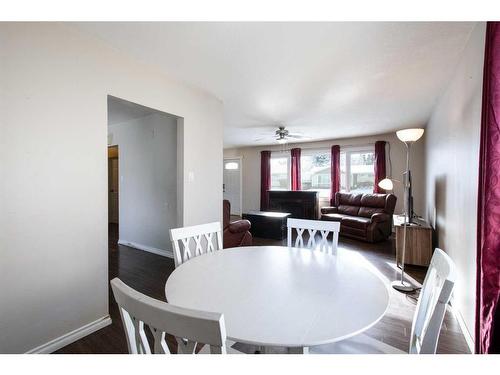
x: 386, y: 184
x: 410, y: 135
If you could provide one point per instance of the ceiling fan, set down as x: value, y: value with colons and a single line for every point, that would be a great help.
x: 282, y: 136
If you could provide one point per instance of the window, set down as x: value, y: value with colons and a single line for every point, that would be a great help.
x: 231, y: 165
x: 315, y: 171
x: 357, y: 170
x: 280, y: 172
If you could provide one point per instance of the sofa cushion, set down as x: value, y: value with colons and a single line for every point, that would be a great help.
x: 329, y: 210
x: 349, y: 210
x: 372, y: 204
x: 332, y: 217
x: 369, y: 211
x: 373, y: 200
x: 356, y: 222
x: 348, y: 204
x: 348, y: 199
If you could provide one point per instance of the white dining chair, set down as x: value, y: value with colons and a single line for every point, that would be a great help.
x: 427, y: 320
x: 189, y: 242
x: 189, y: 327
x: 313, y: 227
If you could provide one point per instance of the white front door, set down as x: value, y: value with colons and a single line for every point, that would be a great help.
x: 232, y: 184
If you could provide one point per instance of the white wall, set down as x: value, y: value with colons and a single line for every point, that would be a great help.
x: 251, y: 167
x: 54, y: 83
x: 452, y: 151
x: 148, y: 180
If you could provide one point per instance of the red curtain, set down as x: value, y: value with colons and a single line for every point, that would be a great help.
x: 488, y: 221
x: 379, y: 166
x: 265, y: 179
x: 335, y: 172
x: 295, y: 170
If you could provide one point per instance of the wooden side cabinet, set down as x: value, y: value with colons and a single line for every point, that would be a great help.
x: 418, y: 242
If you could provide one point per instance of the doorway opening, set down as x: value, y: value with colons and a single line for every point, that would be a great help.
x: 113, y: 199
x: 144, y: 170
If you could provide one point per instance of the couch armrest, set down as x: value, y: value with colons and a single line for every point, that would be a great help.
x: 329, y: 210
x: 380, y: 218
x: 239, y: 226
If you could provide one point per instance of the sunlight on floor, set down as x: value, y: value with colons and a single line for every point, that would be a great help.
x: 407, y: 276
x: 358, y: 258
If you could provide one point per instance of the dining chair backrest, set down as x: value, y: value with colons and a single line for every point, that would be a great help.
x: 431, y: 306
x: 313, y: 227
x: 189, y: 327
x: 189, y: 242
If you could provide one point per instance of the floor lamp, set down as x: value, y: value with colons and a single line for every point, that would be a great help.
x: 408, y: 137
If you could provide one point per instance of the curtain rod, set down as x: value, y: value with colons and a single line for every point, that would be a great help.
x: 322, y: 147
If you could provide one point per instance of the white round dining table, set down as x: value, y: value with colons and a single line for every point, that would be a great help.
x: 282, y: 296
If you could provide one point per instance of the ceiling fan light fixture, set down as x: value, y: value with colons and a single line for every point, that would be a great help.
x: 281, y: 140
x: 283, y: 136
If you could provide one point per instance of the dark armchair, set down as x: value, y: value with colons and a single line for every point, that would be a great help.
x: 235, y: 233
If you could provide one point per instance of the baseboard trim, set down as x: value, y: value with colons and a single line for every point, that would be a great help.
x: 463, y: 327
x: 71, y: 337
x: 149, y: 249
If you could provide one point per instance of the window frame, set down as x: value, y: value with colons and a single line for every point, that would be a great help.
x: 282, y: 155
x: 354, y: 150
x: 312, y: 151
x: 315, y: 151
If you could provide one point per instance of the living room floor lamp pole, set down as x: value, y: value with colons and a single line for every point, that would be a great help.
x: 408, y: 137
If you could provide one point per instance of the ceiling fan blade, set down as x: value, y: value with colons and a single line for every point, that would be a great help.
x: 299, y: 136
x: 263, y: 139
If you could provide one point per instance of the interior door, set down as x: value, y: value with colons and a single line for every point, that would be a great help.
x: 232, y: 184
x: 113, y: 190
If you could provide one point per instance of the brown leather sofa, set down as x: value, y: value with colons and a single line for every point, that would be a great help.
x: 236, y: 233
x: 366, y: 217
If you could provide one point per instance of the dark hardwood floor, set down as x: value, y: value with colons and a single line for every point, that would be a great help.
x: 148, y: 274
